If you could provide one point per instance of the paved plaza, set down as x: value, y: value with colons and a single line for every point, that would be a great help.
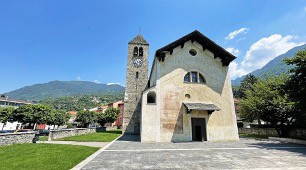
x: 128, y: 153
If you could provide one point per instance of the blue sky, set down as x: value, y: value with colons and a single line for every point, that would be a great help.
x: 41, y: 41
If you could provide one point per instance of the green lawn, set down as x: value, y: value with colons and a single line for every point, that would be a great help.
x: 43, y: 138
x: 43, y: 156
x: 107, y: 136
x: 254, y: 136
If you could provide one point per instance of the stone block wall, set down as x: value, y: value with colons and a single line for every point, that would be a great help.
x: 21, y: 137
x: 295, y: 133
x: 259, y: 131
x: 56, y: 134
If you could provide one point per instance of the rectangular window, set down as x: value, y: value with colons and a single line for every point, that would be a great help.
x: 194, y: 76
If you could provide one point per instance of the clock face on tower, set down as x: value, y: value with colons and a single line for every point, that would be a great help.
x: 137, y: 62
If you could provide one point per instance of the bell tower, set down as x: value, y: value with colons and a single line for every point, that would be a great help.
x: 135, y: 83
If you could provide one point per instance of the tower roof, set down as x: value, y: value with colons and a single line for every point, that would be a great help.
x: 139, y: 40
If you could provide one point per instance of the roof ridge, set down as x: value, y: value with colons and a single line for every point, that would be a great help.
x: 139, y: 39
x: 206, y: 43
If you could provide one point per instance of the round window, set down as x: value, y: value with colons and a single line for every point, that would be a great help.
x: 193, y: 52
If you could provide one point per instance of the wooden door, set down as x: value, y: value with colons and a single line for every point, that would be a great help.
x: 198, y: 129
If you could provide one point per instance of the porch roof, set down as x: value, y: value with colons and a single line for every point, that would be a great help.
x: 201, y: 106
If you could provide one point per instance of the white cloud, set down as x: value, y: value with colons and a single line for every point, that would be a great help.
x: 78, y: 78
x: 261, y: 52
x: 97, y: 81
x: 113, y: 83
x: 235, y: 71
x: 233, y: 34
x: 233, y: 51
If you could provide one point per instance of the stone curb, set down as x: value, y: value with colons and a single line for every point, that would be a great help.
x: 288, y: 140
x: 91, y: 157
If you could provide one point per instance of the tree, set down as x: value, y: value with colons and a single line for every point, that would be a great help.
x: 246, y: 84
x: 236, y: 92
x: 2, y: 95
x: 61, y: 117
x: 41, y: 113
x: 268, y: 101
x: 109, y: 116
x: 58, y: 117
x: 6, y: 115
x: 32, y: 114
x: 86, y: 117
x: 296, y: 84
x: 24, y: 114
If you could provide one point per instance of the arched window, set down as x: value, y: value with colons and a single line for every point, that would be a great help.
x: 140, y: 51
x: 151, y: 97
x: 201, y: 78
x: 137, y: 74
x: 194, y: 77
x: 135, y: 53
x: 187, y: 77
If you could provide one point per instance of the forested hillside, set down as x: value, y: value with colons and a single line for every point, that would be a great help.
x: 55, y: 89
x: 274, y: 67
x: 81, y: 102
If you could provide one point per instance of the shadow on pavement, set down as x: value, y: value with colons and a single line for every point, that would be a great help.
x: 290, y: 147
x: 134, y: 138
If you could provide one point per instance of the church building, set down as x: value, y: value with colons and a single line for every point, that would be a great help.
x: 187, y: 96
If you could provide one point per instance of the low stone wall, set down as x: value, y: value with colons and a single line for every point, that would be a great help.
x: 259, y: 131
x: 101, y: 129
x: 111, y: 128
x: 20, y: 137
x: 294, y: 133
x: 288, y: 140
x: 56, y: 134
x: 106, y: 128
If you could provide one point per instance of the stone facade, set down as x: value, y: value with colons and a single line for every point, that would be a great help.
x: 12, y: 138
x: 56, y: 134
x: 136, y: 83
x: 168, y: 120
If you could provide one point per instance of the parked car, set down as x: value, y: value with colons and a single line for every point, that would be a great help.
x: 24, y: 130
x: 6, y: 131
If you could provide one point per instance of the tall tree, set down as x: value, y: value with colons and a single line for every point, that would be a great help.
x: 246, y: 84
x: 268, y: 101
x: 296, y: 84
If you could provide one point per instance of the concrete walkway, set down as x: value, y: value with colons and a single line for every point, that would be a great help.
x: 91, y: 144
x: 126, y: 153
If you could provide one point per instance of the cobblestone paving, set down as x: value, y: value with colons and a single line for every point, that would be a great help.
x: 246, y: 154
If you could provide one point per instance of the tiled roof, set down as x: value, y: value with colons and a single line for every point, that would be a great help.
x: 201, y: 106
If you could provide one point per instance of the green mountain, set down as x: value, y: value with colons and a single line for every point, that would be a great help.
x: 55, y: 89
x: 274, y: 67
